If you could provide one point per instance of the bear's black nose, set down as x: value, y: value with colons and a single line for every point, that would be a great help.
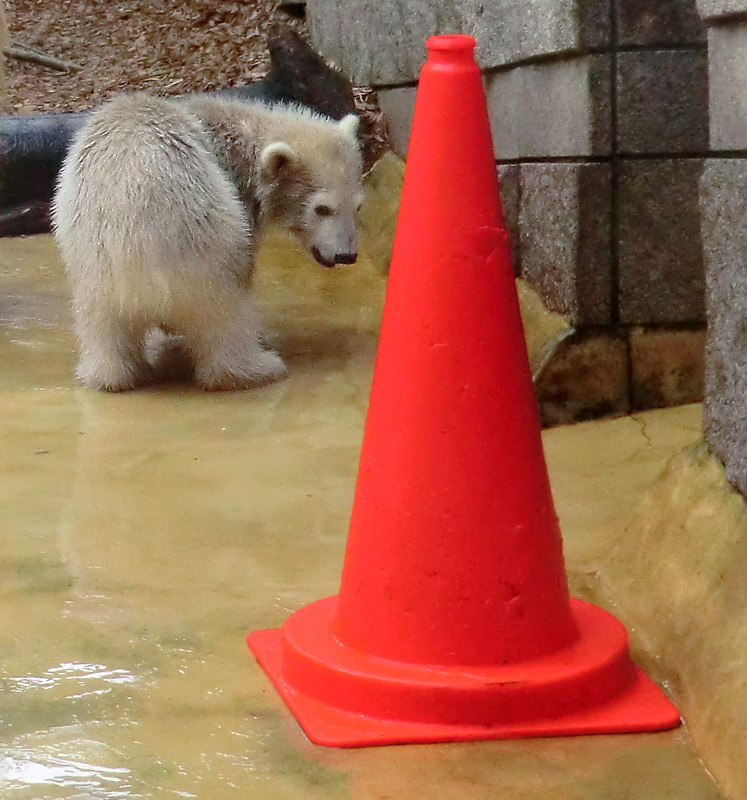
x: 346, y: 258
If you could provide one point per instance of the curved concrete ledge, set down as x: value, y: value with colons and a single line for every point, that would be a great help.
x: 677, y: 579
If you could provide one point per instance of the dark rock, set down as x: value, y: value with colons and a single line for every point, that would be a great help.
x: 299, y: 75
x: 25, y: 219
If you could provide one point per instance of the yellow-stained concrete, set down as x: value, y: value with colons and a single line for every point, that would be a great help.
x: 544, y: 330
x: 144, y: 534
x: 678, y: 576
x: 378, y: 215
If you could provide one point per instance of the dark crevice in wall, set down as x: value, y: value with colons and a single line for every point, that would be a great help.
x: 621, y: 157
x: 662, y: 47
x: 571, y: 55
x: 614, y: 161
x: 737, y: 17
x: 383, y: 87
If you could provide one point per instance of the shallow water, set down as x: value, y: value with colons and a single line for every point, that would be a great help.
x: 145, y: 534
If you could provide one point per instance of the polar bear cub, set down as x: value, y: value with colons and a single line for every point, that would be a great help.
x: 158, y: 213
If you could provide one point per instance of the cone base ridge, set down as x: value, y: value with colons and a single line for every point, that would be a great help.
x: 345, y: 698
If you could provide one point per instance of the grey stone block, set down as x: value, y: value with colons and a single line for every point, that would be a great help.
x: 382, y: 42
x: 727, y: 75
x: 715, y: 9
x: 509, y: 31
x: 397, y: 106
x: 647, y: 22
x: 548, y: 110
x: 724, y: 220
x: 662, y: 101
x: 660, y: 260
x: 555, y: 109
x: 565, y: 223
x: 379, y: 42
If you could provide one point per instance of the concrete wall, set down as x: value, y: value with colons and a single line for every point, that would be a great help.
x: 723, y: 205
x: 599, y: 110
x: 606, y: 116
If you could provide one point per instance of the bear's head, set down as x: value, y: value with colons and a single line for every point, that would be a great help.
x: 314, y: 178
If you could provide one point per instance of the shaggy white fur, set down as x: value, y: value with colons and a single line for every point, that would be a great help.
x: 158, y: 213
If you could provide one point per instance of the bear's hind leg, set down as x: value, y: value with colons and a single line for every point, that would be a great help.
x: 111, y: 353
x: 228, y: 352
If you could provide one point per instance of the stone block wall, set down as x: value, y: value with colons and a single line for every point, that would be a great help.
x: 600, y: 118
x: 609, y: 117
x: 609, y: 134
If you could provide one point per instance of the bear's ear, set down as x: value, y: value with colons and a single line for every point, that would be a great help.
x: 275, y: 158
x: 349, y: 125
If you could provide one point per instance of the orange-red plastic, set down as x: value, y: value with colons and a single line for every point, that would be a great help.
x: 453, y: 620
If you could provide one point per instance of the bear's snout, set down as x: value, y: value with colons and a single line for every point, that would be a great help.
x: 339, y: 258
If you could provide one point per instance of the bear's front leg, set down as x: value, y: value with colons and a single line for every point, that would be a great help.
x: 111, y: 353
x: 228, y: 352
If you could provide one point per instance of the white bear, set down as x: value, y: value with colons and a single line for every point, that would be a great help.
x: 158, y: 212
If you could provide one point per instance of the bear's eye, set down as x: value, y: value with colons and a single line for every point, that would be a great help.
x: 323, y: 211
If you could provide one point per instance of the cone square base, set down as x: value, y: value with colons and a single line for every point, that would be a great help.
x: 637, y: 706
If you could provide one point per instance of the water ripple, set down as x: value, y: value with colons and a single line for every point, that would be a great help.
x: 30, y: 770
x: 74, y: 671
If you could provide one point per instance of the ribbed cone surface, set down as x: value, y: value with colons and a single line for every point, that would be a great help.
x: 454, y: 552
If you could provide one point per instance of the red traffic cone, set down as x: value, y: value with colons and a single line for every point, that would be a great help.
x: 453, y: 620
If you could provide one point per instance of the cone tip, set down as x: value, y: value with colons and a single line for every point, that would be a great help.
x: 451, y: 49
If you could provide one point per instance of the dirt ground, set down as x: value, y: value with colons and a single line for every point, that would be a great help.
x: 166, y: 46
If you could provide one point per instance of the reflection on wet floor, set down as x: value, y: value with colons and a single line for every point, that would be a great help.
x: 145, y: 534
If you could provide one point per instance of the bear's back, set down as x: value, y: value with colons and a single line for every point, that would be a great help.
x: 149, y: 162
x: 142, y: 192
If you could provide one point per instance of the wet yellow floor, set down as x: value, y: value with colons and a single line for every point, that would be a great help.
x: 144, y: 534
